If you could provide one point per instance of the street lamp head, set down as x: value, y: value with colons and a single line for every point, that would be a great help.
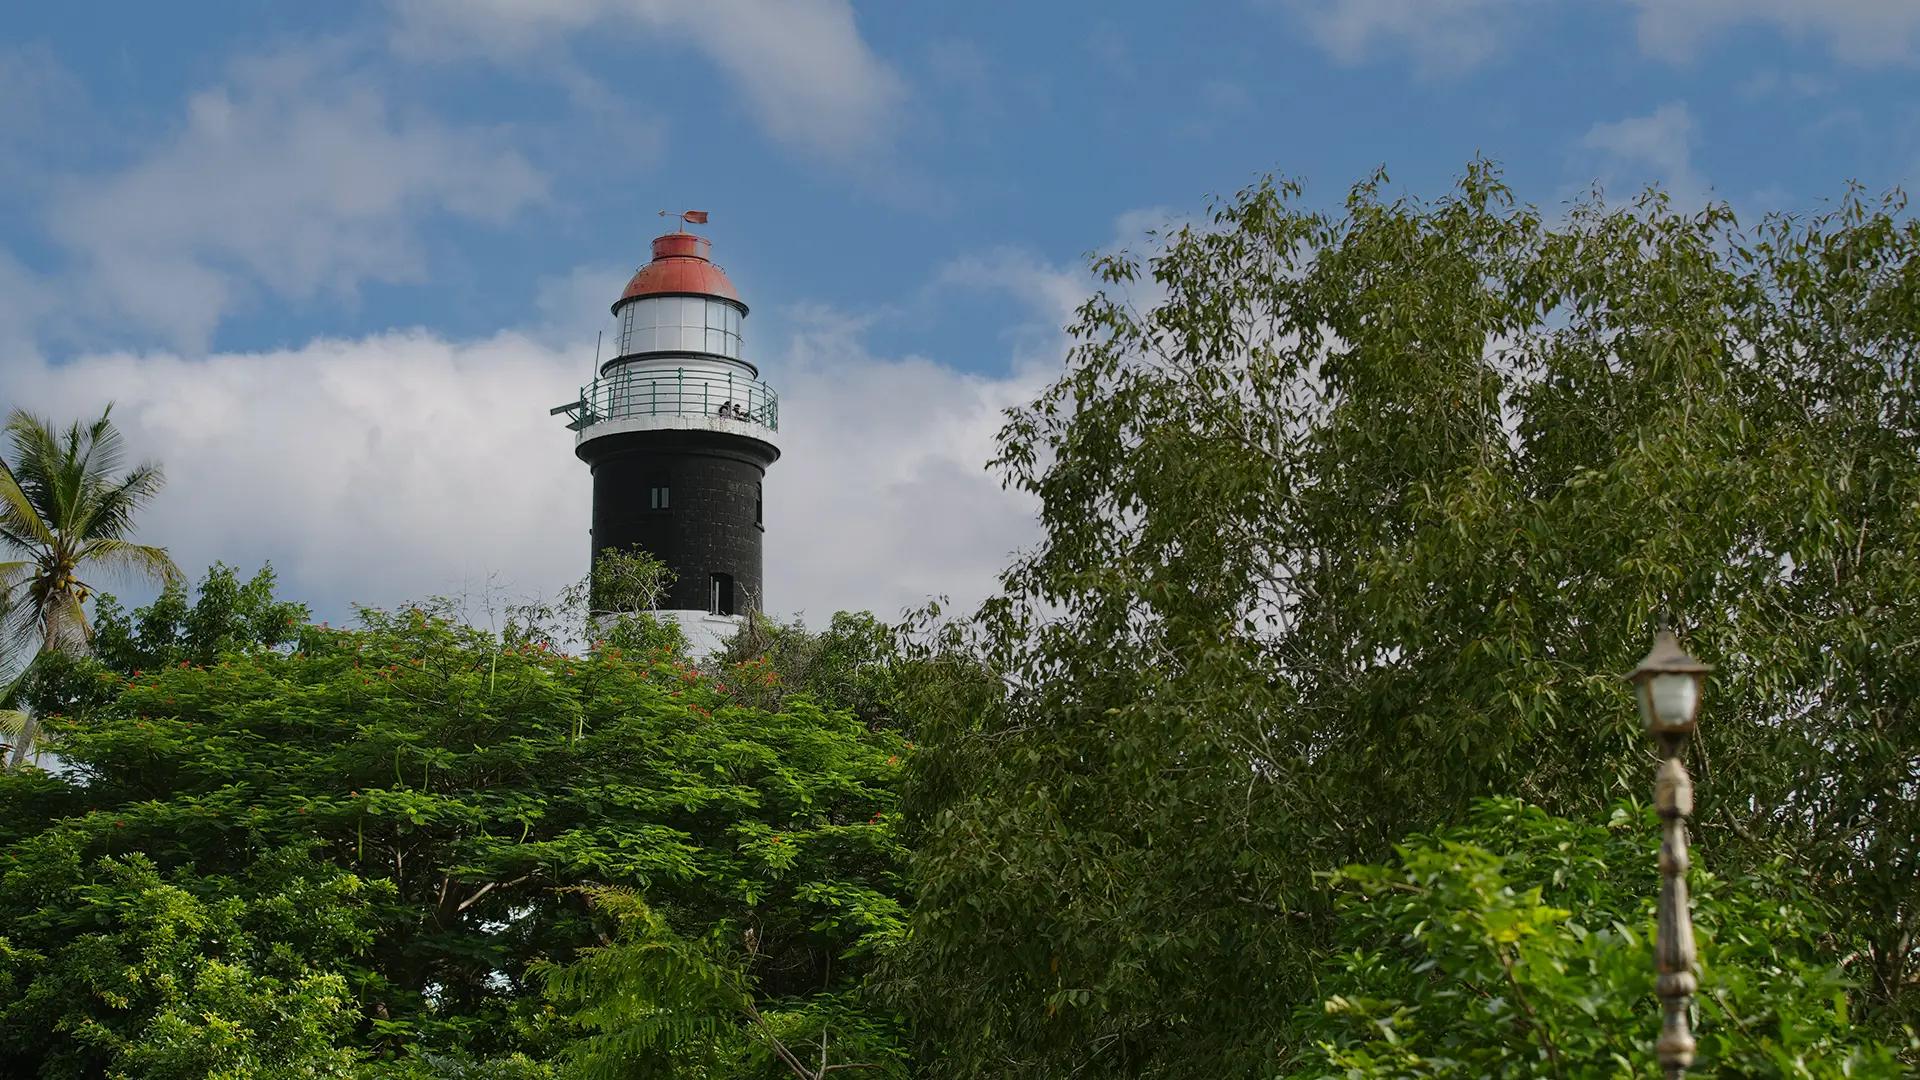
x: 1668, y: 684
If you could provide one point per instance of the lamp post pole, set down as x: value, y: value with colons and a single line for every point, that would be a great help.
x: 1673, y: 953
x: 1668, y: 684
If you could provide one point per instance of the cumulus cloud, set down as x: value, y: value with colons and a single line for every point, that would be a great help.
x: 292, y: 177
x: 882, y: 499
x: 801, y: 67
x: 375, y: 470
x: 1658, y: 146
x: 1052, y: 292
x: 26, y: 301
x: 40, y: 94
x: 1449, y: 36
x: 402, y: 465
x: 1441, y: 36
x: 1858, y: 31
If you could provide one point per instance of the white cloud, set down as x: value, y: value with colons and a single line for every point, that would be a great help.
x: 295, y: 178
x: 1441, y: 36
x: 1658, y: 146
x: 881, y: 498
x: 26, y: 301
x: 404, y: 465
x: 1449, y: 36
x: 38, y: 91
x: 1769, y: 83
x: 805, y: 73
x: 1858, y: 31
x: 1052, y: 292
x: 380, y: 469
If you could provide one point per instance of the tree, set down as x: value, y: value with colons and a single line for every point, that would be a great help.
x: 1355, y: 520
x: 405, y: 820
x: 225, y: 616
x: 651, y: 1001
x: 1515, y: 945
x: 853, y: 664
x: 613, y: 606
x: 65, y: 511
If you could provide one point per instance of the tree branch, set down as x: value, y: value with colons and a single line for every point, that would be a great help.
x: 487, y: 888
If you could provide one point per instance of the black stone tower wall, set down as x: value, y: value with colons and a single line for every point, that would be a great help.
x: 712, y: 522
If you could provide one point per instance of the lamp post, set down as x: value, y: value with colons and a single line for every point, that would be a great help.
x: 1668, y: 684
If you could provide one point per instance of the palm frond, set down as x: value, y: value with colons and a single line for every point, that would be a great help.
x: 131, y: 560
x: 110, y: 510
x: 106, y: 448
x: 20, y: 522
x: 63, y: 473
x: 16, y: 726
x: 19, y: 643
x: 41, y: 466
x: 19, y: 638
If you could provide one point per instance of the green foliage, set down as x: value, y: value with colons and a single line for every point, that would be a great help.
x: 650, y: 1001
x: 626, y: 581
x: 225, y: 616
x: 1454, y: 961
x: 110, y: 963
x: 853, y: 664
x: 653, y: 1002
x: 468, y: 787
x: 613, y: 607
x: 1355, y: 518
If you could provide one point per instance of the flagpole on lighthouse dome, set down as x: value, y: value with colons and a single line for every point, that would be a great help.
x: 687, y: 217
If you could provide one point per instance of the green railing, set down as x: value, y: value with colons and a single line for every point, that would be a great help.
x: 673, y: 392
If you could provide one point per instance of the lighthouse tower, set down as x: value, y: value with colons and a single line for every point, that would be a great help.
x: 679, y: 430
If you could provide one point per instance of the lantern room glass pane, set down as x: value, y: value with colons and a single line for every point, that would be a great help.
x: 676, y: 323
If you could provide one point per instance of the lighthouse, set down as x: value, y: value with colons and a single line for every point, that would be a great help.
x: 679, y: 430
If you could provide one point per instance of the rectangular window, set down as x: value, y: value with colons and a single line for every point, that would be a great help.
x: 757, y: 503
x: 657, y: 498
x: 719, y: 594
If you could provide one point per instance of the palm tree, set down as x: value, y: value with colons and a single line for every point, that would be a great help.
x: 65, y: 510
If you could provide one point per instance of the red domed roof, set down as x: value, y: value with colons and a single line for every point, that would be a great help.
x: 680, y: 266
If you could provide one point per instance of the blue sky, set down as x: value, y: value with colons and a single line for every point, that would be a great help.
x: 390, y: 230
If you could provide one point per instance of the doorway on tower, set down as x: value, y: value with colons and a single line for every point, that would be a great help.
x: 719, y: 594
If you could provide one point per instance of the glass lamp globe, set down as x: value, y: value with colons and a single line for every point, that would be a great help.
x: 1668, y: 684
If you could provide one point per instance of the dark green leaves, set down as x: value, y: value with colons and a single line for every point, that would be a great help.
x: 1354, y: 517
x: 356, y: 845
